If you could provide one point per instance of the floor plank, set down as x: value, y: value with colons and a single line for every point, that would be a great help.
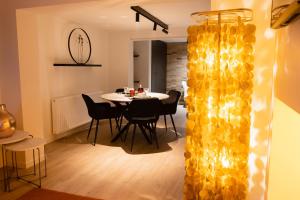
x: 110, y: 171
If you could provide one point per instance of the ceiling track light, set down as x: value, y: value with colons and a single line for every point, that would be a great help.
x: 165, y: 31
x: 154, y: 26
x: 137, y: 17
x: 156, y: 21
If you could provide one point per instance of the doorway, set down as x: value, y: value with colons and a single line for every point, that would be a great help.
x: 160, y: 65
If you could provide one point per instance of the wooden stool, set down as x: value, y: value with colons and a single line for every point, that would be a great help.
x: 25, y: 145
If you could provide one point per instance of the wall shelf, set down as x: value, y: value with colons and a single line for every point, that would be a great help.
x: 76, y: 65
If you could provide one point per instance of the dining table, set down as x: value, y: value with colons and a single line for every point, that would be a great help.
x: 126, y: 98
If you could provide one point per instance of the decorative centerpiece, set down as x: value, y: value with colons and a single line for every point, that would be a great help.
x: 7, y: 122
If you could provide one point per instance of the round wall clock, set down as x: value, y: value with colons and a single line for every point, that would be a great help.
x: 79, y: 45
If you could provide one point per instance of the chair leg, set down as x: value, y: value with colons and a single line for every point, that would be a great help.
x: 117, y: 124
x: 144, y: 133
x: 155, y: 136
x: 165, y: 123
x: 90, y: 129
x: 174, y: 126
x: 121, y: 121
x: 133, y: 134
x: 119, y: 135
x: 150, y: 131
x: 96, y: 132
x: 111, y: 133
x: 126, y: 133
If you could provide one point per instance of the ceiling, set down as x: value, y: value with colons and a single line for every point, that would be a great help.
x: 117, y: 15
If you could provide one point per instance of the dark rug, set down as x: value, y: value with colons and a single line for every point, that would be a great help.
x: 44, y: 194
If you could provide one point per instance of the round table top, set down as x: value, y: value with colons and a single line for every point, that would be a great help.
x: 28, y: 144
x: 16, y: 137
x: 119, y: 97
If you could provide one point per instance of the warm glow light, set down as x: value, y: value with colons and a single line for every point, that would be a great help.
x: 220, y: 73
x: 269, y: 33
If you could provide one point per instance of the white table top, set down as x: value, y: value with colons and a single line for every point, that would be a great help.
x: 28, y: 144
x: 16, y: 137
x: 122, y: 98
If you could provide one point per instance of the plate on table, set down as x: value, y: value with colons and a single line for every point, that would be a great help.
x: 127, y: 95
x: 141, y: 96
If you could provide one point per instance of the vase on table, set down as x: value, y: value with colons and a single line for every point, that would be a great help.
x: 7, y: 122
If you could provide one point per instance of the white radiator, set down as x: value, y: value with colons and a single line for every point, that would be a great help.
x: 70, y: 112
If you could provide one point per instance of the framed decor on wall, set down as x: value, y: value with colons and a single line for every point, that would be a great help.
x: 80, y: 49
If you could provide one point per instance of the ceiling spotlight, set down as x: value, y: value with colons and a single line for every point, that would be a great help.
x: 157, y: 22
x: 154, y: 26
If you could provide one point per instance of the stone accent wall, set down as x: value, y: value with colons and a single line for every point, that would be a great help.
x: 176, y: 66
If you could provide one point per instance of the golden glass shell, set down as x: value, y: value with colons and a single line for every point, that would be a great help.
x: 7, y: 122
x: 220, y: 72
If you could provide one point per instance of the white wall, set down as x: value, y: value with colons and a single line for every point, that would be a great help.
x: 142, y: 63
x: 284, y: 178
x: 120, y: 48
x: 1, y: 52
x: 10, y: 81
x: 285, y: 149
x: 9, y: 65
x: 43, y: 42
x: 10, y: 92
x: 120, y: 51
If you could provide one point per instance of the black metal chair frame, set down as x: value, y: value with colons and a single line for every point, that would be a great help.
x: 174, y: 103
x: 143, y: 122
x: 107, y: 114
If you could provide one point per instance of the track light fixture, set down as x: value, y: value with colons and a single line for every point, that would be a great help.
x: 140, y: 11
x: 154, y: 26
x: 137, y: 17
x: 165, y: 31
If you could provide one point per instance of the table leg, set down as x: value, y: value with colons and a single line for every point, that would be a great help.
x: 120, y: 133
x: 7, y: 173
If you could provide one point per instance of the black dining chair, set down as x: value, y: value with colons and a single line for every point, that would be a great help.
x: 169, y: 107
x: 119, y: 90
x: 99, y: 111
x: 144, y: 113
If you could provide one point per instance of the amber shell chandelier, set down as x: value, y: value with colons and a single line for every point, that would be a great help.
x: 220, y: 73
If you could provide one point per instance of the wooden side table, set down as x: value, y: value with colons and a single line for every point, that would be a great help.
x: 27, y: 145
x: 16, y: 137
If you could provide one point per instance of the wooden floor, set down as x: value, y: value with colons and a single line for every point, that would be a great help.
x: 110, y: 171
